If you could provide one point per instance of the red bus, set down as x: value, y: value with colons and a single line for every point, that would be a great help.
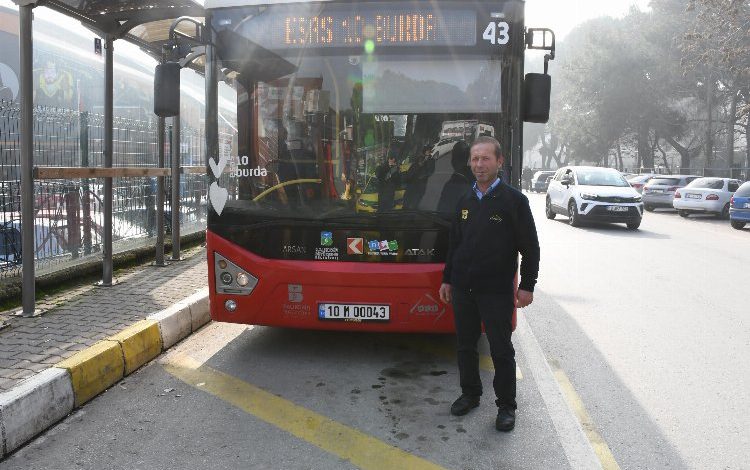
x: 335, y: 212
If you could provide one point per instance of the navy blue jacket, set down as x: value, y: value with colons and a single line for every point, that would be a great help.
x: 486, y: 238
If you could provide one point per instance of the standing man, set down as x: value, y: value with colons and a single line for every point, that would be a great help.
x: 492, y: 225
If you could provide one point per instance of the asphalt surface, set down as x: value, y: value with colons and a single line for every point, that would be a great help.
x: 652, y: 328
x: 648, y: 328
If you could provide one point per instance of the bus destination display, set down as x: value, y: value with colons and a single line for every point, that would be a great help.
x: 384, y: 27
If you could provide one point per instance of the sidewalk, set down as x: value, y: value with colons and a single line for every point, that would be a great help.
x: 80, y: 317
x: 90, y: 338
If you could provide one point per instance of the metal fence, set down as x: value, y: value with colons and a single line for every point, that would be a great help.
x: 68, y: 214
x: 742, y: 174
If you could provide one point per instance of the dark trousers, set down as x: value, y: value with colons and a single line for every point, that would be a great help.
x: 471, y: 309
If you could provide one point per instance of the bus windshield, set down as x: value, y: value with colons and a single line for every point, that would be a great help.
x: 358, y: 131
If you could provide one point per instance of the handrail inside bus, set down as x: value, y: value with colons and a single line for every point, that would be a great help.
x: 285, y: 183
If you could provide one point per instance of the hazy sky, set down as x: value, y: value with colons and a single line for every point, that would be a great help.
x: 563, y: 15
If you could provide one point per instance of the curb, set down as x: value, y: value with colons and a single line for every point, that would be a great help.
x: 49, y: 396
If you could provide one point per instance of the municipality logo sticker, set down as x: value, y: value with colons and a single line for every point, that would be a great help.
x: 326, y: 238
x: 374, y: 245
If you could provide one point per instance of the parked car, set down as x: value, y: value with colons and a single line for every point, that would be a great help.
x: 443, y: 147
x: 593, y: 194
x: 539, y: 182
x: 637, y: 181
x: 739, y: 206
x: 706, y: 195
x: 659, y: 190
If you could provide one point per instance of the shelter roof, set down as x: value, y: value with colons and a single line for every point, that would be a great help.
x: 143, y: 22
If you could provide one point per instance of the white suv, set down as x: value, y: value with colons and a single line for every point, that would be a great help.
x: 585, y: 193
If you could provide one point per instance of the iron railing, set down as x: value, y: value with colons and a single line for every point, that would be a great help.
x: 68, y: 214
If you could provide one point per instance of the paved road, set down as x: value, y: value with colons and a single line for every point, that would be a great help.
x: 652, y: 328
x: 645, y: 332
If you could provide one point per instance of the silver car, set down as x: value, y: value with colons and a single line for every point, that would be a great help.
x: 706, y: 195
x: 637, y: 181
x: 659, y: 190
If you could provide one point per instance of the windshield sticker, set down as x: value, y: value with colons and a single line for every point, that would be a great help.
x: 218, y: 196
x: 326, y: 238
x: 294, y: 250
x: 327, y: 254
x: 355, y: 246
x: 382, y: 248
x: 236, y: 172
x: 420, y: 252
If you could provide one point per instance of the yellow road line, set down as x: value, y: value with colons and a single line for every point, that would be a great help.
x: 601, y: 449
x: 360, y: 449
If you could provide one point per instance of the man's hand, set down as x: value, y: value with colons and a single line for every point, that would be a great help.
x: 445, y: 293
x: 523, y: 298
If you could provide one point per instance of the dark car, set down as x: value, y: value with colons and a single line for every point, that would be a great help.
x: 540, y: 181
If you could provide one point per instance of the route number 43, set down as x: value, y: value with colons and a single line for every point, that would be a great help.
x: 497, y: 33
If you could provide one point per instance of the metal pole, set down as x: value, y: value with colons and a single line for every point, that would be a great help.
x: 160, y: 198
x: 108, y: 150
x: 28, y: 293
x: 176, y: 163
x: 84, y: 146
x: 212, y: 105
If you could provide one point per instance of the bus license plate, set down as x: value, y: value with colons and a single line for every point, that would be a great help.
x: 354, y: 312
x: 617, y: 208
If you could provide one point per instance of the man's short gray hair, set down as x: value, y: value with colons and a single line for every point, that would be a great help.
x: 486, y: 139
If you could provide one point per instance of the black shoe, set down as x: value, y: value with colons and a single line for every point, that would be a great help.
x: 464, y: 404
x: 506, y: 418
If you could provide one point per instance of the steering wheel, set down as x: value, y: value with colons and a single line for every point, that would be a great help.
x: 284, y: 184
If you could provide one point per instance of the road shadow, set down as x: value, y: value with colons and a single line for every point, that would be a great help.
x: 633, y: 437
x: 615, y: 230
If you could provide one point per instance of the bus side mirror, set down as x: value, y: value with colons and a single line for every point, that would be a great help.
x: 167, y: 89
x: 537, y: 88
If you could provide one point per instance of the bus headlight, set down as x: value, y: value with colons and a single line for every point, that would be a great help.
x: 243, y: 279
x: 232, y: 279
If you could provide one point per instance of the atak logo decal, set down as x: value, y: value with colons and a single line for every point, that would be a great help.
x: 326, y: 238
x: 355, y: 246
x: 420, y: 252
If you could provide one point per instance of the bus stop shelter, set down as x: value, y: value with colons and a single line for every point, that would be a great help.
x: 147, y: 24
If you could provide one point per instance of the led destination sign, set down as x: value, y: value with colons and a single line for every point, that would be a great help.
x: 384, y: 26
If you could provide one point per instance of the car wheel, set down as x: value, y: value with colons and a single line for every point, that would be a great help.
x: 649, y: 208
x: 683, y: 213
x: 725, y: 212
x: 737, y: 224
x: 634, y: 225
x: 573, y: 214
x: 548, y: 210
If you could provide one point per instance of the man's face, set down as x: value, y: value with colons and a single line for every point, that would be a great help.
x: 484, y: 164
x: 391, y: 162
